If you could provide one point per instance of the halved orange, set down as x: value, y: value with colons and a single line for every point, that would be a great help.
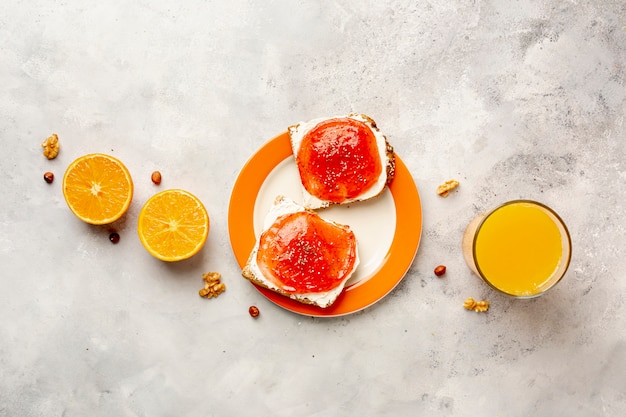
x: 97, y: 188
x: 173, y: 225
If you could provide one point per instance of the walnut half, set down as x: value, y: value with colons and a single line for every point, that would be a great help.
x: 212, y: 285
x: 444, y: 189
x: 477, y: 306
x: 51, y: 146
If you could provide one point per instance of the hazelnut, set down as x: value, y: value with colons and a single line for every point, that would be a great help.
x: 156, y: 177
x: 440, y: 270
x: 254, y: 311
x: 48, y: 177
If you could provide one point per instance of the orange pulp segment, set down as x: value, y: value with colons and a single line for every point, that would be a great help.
x: 173, y: 225
x: 97, y: 188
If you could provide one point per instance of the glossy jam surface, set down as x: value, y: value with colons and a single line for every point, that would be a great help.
x: 519, y: 248
x: 301, y: 253
x: 339, y: 159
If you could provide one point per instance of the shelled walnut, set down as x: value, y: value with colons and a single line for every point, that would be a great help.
x: 212, y: 285
x: 51, y: 146
x: 444, y: 189
x: 477, y: 306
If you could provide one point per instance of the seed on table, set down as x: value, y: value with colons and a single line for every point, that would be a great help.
x: 440, y: 270
x: 114, y: 237
x: 48, y: 177
x: 156, y: 177
x: 254, y: 311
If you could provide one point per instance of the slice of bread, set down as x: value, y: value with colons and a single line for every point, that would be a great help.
x: 256, y: 271
x: 342, y: 170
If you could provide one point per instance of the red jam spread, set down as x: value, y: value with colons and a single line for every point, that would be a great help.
x: 338, y: 160
x: 302, y: 253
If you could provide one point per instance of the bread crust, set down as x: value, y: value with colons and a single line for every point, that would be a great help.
x: 391, y: 155
x: 249, y: 275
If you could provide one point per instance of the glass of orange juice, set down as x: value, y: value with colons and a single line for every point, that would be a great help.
x: 521, y: 248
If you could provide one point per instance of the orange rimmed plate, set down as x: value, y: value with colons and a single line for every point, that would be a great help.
x: 388, y: 228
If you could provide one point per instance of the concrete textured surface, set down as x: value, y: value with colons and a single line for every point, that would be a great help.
x: 515, y: 99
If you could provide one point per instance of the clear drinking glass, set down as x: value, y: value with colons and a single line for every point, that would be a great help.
x: 521, y: 248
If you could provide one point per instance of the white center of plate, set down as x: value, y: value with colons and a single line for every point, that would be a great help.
x: 373, y: 221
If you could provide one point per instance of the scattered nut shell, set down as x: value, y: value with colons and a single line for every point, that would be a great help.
x: 48, y: 177
x: 212, y: 285
x: 440, y: 270
x: 477, y: 306
x: 156, y: 177
x: 51, y: 146
x: 254, y: 311
x: 444, y: 189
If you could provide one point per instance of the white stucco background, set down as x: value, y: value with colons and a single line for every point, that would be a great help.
x: 515, y: 99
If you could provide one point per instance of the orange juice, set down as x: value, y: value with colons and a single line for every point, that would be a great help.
x: 521, y: 248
